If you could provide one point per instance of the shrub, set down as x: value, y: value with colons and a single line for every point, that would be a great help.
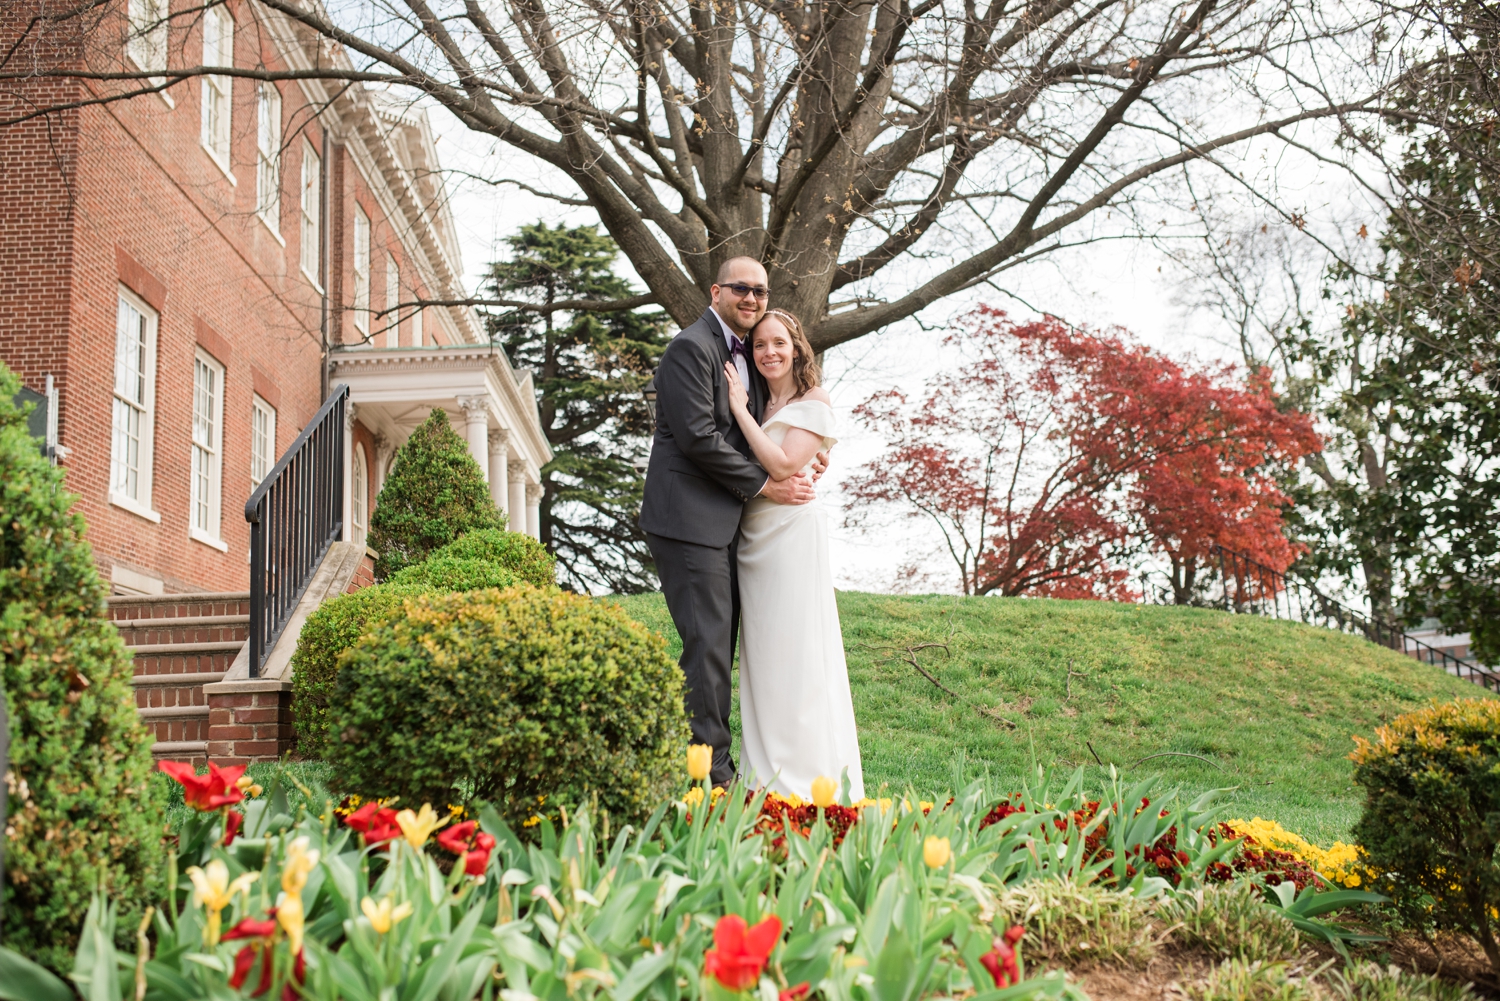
x: 510, y: 696
x: 1232, y: 921
x: 81, y: 810
x: 447, y: 573
x: 527, y: 558
x: 436, y: 492
x: 1366, y: 981
x: 1239, y: 980
x: 1432, y: 795
x: 326, y: 634
x: 1067, y: 922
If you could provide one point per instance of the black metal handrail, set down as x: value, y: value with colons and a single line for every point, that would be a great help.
x: 295, y: 514
x: 1264, y: 590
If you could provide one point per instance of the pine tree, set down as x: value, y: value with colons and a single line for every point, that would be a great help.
x: 435, y: 493
x: 589, y: 370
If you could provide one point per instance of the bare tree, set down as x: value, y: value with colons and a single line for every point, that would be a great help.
x: 878, y: 155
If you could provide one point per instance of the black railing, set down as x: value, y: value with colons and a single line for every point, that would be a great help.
x: 1250, y: 586
x: 295, y: 513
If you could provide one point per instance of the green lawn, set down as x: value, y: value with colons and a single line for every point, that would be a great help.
x: 1272, y: 704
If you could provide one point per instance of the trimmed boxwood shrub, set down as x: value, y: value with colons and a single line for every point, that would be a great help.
x: 527, y: 558
x: 1432, y: 816
x: 82, y: 810
x: 511, y: 696
x: 436, y: 492
x: 447, y: 573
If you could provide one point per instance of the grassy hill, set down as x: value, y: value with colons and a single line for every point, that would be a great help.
x: 1272, y: 705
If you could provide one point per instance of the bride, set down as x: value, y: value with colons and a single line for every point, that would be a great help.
x: 797, y: 717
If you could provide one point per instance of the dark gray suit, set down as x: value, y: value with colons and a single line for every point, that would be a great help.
x: 700, y: 477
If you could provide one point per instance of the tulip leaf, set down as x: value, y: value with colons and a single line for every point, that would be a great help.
x: 895, y: 969
x: 23, y: 980
x: 642, y: 975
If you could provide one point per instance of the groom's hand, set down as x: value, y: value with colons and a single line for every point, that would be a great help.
x: 820, y: 466
x: 793, y: 490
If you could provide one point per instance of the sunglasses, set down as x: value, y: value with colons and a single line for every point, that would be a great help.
x: 742, y: 290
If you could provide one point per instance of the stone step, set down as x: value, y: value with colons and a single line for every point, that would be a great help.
x: 187, y: 629
x: 194, y: 751
x: 187, y: 678
x: 157, y: 649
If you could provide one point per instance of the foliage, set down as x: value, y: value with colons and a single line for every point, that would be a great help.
x: 1432, y: 795
x: 448, y: 573
x: 589, y: 369
x: 1367, y: 981
x: 1054, y: 448
x: 329, y: 631
x: 1242, y: 980
x: 522, y: 555
x: 81, y: 811
x: 1342, y: 864
x: 1232, y: 921
x: 435, y: 493
x: 1068, y: 922
x: 511, y: 696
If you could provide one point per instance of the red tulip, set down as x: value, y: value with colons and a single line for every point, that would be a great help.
x: 251, y: 928
x: 233, y: 822
x: 208, y: 792
x: 740, y: 953
x: 473, y: 844
x: 796, y: 993
x: 244, y: 960
x: 299, y: 974
x: 376, y: 824
x: 1001, y: 960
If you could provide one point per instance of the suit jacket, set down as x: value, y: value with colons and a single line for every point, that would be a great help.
x: 701, y: 472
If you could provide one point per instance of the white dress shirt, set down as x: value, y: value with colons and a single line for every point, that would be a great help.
x: 740, y: 364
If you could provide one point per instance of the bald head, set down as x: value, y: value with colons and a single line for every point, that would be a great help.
x: 739, y: 294
x: 734, y: 264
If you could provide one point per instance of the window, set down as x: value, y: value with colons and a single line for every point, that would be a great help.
x: 416, y: 324
x: 268, y: 155
x: 262, y: 440
x: 392, y: 296
x: 311, y: 188
x: 135, y: 370
x: 361, y: 271
x: 147, y: 46
x: 218, y: 50
x: 208, y: 415
x: 359, y: 496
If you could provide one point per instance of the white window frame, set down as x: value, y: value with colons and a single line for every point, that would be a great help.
x: 131, y: 309
x: 392, y: 296
x: 362, y: 272
x: 218, y: 91
x: 147, y: 43
x: 310, y: 252
x: 262, y: 439
x: 359, y: 495
x: 268, y: 157
x: 416, y: 322
x: 206, y: 459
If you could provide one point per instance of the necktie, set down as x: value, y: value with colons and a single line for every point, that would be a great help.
x: 737, y: 349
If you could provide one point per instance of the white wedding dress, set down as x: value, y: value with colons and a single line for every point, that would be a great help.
x: 796, y: 714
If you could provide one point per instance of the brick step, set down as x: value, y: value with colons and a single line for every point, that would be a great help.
x: 185, y: 629
x: 177, y: 662
x: 123, y: 608
x: 190, y: 725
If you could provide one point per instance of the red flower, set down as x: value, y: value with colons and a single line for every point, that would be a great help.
x: 473, y: 844
x: 299, y: 974
x: 251, y: 928
x: 1001, y: 960
x: 795, y: 993
x: 376, y: 824
x: 244, y: 960
x: 740, y: 953
x: 233, y: 821
x: 206, y: 792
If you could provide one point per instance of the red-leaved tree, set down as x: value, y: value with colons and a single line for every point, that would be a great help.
x: 1055, y: 452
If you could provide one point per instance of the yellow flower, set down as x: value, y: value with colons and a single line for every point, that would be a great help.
x: 936, y: 852
x: 247, y: 786
x: 700, y: 761
x: 297, y: 864
x: 1352, y: 880
x: 289, y: 915
x: 823, y: 791
x: 418, y: 827
x: 383, y: 916
x: 213, y: 890
x: 694, y: 796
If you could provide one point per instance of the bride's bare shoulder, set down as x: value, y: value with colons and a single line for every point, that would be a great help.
x: 817, y: 393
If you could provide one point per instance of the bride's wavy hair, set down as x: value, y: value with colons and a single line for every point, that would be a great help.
x: 806, y: 373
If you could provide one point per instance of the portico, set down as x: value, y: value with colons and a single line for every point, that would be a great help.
x: 489, y: 404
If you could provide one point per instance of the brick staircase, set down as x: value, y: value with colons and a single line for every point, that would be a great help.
x: 181, y: 642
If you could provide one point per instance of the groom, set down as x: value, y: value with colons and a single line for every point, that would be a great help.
x: 701, y: 476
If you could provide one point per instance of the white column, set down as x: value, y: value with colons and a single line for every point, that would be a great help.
x: 517, y: 506
x: 534, y: 510
x: 476, y: 429
x: 383, y: 453
x: 499, y: 482
x: 350, y: 411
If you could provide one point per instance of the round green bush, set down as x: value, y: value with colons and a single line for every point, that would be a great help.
x: 447, y: 573
x: 518, y: 697
x: 524, y: 556
x: 81, y: 808
x: 436, y: 492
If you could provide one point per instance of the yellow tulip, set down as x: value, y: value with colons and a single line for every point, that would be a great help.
x: 290, y: 916
x: 213, y: 890
x: 297, y: 864
x: 823, y: 791
x: 936, y: 852
x: 418, y: 827
x: 383, y: 916
x: 700, y: 761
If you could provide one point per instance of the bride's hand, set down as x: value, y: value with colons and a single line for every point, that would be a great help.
x: 739, y: 400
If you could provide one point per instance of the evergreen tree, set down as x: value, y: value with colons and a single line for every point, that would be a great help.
x: 589, y: 370
x: 435, y: 493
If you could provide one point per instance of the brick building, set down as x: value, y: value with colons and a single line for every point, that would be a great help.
x: 195, y: 271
